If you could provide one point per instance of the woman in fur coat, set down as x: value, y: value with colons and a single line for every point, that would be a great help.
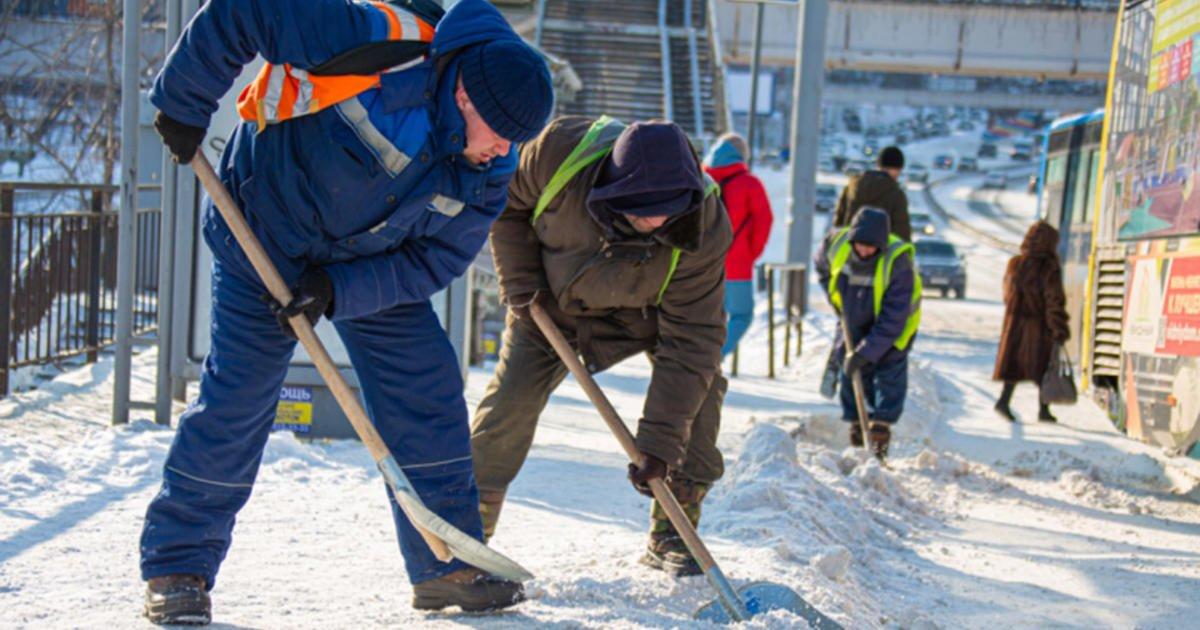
x: 1035, y: 316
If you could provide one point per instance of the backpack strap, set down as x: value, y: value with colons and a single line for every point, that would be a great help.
x: 580, y: 157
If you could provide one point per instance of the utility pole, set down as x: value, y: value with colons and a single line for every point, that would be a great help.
x: 166, y: 261
x: 127, y: 219
x: 754, y: 65
x: 809, y: 75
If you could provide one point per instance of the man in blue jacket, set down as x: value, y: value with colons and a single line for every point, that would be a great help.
x: 375, y: 155
x: 869, y: 278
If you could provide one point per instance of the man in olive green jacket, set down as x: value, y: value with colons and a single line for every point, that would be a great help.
x: 616, y: 233
x: 878, y: 189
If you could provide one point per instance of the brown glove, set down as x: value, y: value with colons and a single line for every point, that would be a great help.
x: 651, y: 468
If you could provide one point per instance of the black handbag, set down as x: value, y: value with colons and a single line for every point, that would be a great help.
x: 1058, y: 383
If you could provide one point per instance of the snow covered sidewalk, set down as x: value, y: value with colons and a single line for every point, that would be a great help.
x: 979, y: 522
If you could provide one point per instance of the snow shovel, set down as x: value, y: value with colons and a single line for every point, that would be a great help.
x: 730, y: 605
x: 860, y: 402
x: 446, y: 541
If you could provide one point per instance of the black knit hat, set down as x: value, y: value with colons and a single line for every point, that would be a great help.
x: 891, y: 157
x: 509, y: 85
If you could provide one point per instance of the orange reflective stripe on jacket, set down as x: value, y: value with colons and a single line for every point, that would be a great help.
x: 281, y: 92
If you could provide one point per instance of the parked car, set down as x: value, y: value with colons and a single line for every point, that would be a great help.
x: 825, y: 165
x: 966, y: 126
x: 922, y: 223
x: 856, y: 167
x: 1021, y: 151
x: 827, y: 196
x: 902, y: 138
x: 917, y: 173
x: 995, y: 180
x: 941, y: 267
x: 987, y: 150
x: 943, y: 162
x: 968, y: 164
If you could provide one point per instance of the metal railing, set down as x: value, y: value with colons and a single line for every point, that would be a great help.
x: 793, y: 281
x: 58, y: 276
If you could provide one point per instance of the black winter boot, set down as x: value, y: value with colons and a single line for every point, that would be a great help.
x: 666, y: 550
x: 669, y: 554
x: 178, y: 600
x: 1044, y: 414
x: 470, y: 589
x: 1002, y: 407
x: 856, y: 437
x: 880, y: 436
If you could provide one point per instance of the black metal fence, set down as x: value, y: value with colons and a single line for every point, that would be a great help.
x: 58, y: 275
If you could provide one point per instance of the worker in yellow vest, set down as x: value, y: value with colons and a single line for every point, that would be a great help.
x: 869, y: 276
x: 617, y: 233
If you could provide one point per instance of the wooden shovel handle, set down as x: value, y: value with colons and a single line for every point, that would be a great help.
x: 279, y: 290
x: 661, y: 492
x: 856, y: 382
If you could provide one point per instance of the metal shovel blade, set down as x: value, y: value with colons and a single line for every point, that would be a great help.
x: 461, y: 545
x: 761, y: 597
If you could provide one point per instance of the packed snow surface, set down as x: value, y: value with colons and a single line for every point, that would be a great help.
x: 976, y: 523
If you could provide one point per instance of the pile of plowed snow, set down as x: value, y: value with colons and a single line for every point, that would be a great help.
x: 827, y: 522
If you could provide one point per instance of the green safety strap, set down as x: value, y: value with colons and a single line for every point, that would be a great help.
x: 897, y: 247
x: 675, y: 254
x: 711, y: 188
x: 839, y: 253
x: 576, y: 161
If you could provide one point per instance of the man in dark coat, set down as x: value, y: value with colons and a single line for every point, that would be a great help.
x: 626, y: 253
x: 370, y: 191
x: 879, y: 188
x: 1035, y: 316
x: 869, y: 277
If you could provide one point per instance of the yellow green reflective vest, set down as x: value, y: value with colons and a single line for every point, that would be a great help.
x: 586, y: 152
x: 839, y: 253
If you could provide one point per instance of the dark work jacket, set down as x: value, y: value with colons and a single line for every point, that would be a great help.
x: 878, y: 190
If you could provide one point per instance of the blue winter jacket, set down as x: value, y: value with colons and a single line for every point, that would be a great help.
x: 874, y: 337
x: 374, y: 190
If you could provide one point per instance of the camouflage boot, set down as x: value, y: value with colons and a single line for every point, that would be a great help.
x: 490, y: 503
x: 666, y: 550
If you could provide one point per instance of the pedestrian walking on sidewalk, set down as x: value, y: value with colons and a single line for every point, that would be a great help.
x: 617, y: 234
x: 871, y: 282
x: 750, y: 215
x: 879, y: 188
x: 1035, y: 317
x: 375, y: 151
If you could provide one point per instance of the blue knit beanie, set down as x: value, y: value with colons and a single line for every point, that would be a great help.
x: 509, y: 85
x: 723, y: 153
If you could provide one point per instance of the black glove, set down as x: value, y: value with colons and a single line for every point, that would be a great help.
x: 855, y: 362
x: 519, y: 304
x: 313, y: 296
x: 652, y: 468
x: 181, y: 139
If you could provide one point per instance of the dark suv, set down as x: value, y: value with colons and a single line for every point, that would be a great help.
x: 941, y: 267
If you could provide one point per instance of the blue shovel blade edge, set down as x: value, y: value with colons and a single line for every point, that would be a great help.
x: 762, y: 597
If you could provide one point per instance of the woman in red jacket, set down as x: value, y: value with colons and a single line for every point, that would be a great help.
x: 750, y: 216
